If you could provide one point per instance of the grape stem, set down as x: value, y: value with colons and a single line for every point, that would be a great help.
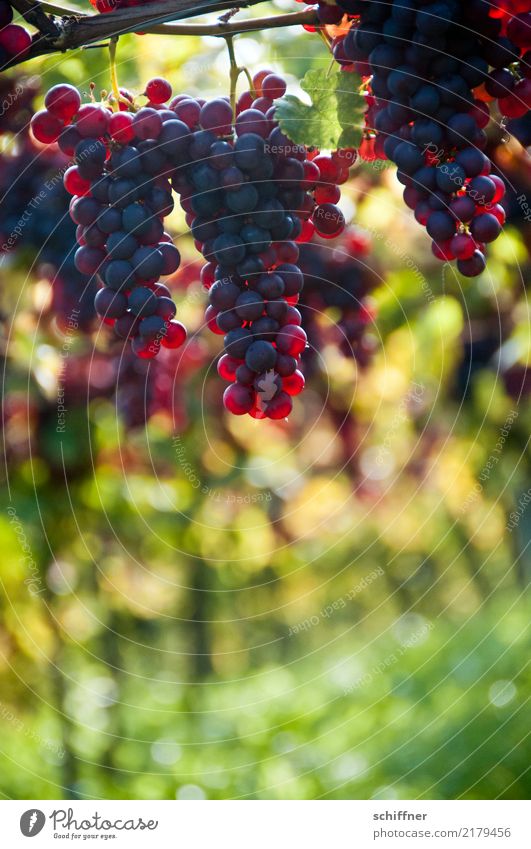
x: 114, y: 76
x: 325, y: 39
x: 251, y: 85
x: 69, y: 30
x: 235, y: 72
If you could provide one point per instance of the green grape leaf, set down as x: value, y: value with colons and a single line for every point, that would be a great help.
x: 335, y: 112
x: 350, y: 137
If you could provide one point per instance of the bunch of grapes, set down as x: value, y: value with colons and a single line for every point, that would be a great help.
x: 121, y: 194
x: 15, y: 41
x: 340, y: 278
x: 509, y: 82
x: 16, y: 103
x: 431, y: 69
x: 250, y: 194
x: 139, y: 389
x: 508, y: 85
x: 429, y: 63
x: 33, y: 224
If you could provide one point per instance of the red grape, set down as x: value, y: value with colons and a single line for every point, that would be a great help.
x: 45, y: 127
x: 63, y: 101
x: 158, y: 90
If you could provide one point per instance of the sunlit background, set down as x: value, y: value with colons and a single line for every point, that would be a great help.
x: 202, y: 606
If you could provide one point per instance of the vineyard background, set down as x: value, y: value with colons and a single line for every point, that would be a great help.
x: 200, y: 607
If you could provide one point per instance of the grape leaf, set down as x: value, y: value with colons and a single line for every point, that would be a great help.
x: 336, y: 111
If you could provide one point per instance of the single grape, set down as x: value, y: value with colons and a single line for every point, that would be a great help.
x: 158, y: 90
x: 110, y: 304
x: 142, y: 302
x: 280, y: 407
x: 175, y: 335
x: 238, y: 399
x: 46, y: 127
x: 15, y: 40
x: 92, y: 120
x: 63, y: 101
x: 147, y: 124
x: 473, y: 266
x: 121, y: 127
x: 216, y: 115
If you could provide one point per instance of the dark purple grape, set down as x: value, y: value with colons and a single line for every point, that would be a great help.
x: 249, y: 306
x: 260, y: 356
x: 472, y: 267
x: 142, y: 302
x: 110, y: 304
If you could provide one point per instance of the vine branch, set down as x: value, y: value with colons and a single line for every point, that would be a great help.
x: 62, y: 29
x: 221, y: 29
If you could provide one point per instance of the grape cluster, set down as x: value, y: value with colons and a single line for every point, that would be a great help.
x: 121, y: 194
x: 429, y: 64
x: 339, y: 279
x: 250, y: 194
x: 16, y: 102
x: 15, y: 41
x: 509, y: 81
x: 33, y: 224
